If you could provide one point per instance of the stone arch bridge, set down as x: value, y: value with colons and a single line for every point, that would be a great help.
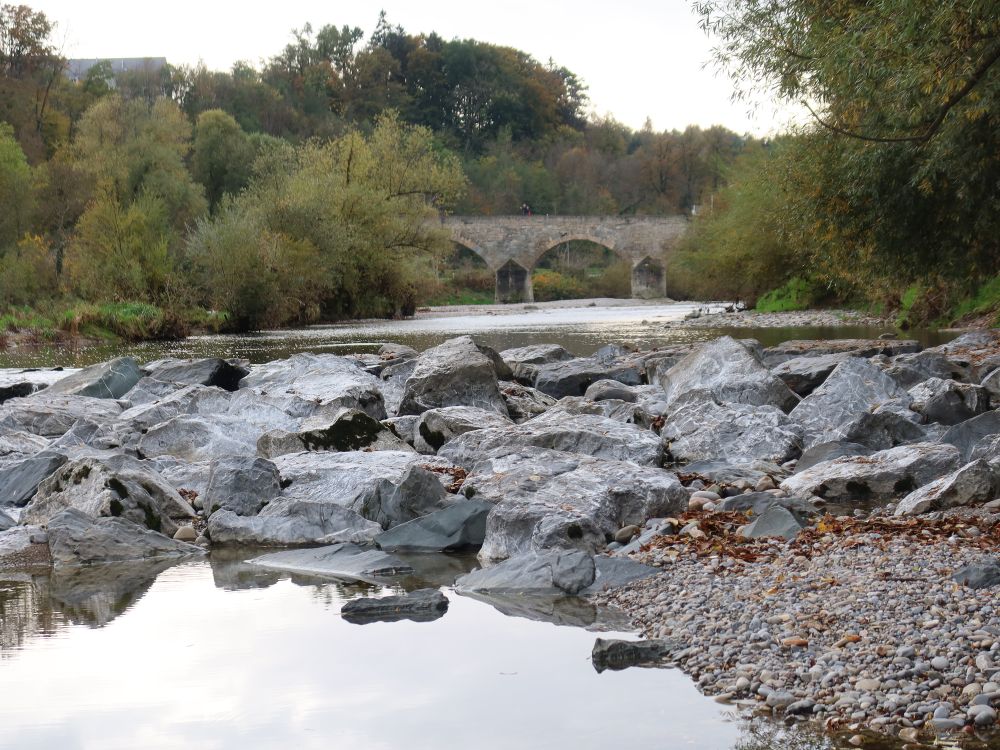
x: 512, y: 245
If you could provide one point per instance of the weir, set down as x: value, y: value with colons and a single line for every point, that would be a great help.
x: 512, y: 245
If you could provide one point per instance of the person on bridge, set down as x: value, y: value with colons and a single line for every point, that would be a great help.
x: 525, y: 209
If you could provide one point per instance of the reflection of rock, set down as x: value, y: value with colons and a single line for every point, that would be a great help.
x: 96, y: 595
x: 423, y: 605
x: 25, y: 609
x: 232, y: 572
x: 570, y: 611
x: 615, y: 654
x: 435, y: 569
x: 336, y: 561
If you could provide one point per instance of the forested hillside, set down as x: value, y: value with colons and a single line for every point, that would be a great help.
x: 152, y: 200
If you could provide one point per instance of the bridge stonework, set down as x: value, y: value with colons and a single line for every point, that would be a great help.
x: 512, y: 245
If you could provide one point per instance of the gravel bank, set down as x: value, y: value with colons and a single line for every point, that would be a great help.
x: 857, y: 624
x: 798, y: 319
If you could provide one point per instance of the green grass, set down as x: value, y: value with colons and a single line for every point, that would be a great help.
x: 461, y: 297
x: 795, y: 294
x: 986, y: 300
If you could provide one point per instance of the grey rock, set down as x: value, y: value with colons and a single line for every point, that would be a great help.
x: 912, y: 368
x: 731, y: 372
x: 387, y: 487
x: 321, y: 380
x: 458, y: 372
x: 602, y: 390
x: 20, y: 383
x: 78, y: 538
x: 198, y: 438
x: 458, y: 526
x: 573, y: 377
x: 804, y: 374
x: 775, y: 521
x: 211, y: 371
x: 19, y: 482
x: 242, y: 484
x: 947, y: 401
x: 969, y: 434
x: 106, y: 380
x: 861, y: 481
x: 394, y: 379
x: 988, y: 449
x: 422, y: 605
x: 51, y: 415
x: 18, y: 548
x: 586, y: 434
x: 292, y: 522
x: 523, y: 361
x: 890, y: 425
x: 853, y: 389
x: 553, y: 572
x: 620, y: 411
x: 405, y: 428
x: 348, y: 430
x: 613, y: 654
x: 786, y: 350
x: 6, y: 522
x: 615, y: 572
x: 700, y: 428
x: 336, y: 561
x: 181, y: 400
x: 759, y: 502
x: 523, y: 402
x: 547, y: 499
x: 15, y: 445
x: 117, y: 486
x: 991, y: 382
x: 972, y: 483
x: 980, y: 575
x: 435, y: 427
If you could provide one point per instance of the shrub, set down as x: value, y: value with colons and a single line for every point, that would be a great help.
x: 552, y: 285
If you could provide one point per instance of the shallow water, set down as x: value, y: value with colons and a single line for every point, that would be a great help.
x: 582, y: 330
x: 225, y: 655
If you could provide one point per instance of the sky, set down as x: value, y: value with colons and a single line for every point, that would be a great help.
x: 639, y: 58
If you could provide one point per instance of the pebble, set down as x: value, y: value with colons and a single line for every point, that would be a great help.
x: 186, y: 534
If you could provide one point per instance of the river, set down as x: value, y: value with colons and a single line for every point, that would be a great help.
x: 222, y: 654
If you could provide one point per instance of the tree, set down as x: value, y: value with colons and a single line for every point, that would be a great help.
x: 15, y: 188
x: 221, y: 156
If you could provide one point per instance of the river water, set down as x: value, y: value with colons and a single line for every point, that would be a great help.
x: 222, y: 654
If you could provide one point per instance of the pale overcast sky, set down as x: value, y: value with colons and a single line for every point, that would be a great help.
x: 640, y: 58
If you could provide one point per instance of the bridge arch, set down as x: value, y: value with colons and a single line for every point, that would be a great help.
x: 550, y: 244
x: 468, y: 244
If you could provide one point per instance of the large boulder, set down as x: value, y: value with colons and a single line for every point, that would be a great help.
x: 972, y: 483
x: 77, y: 538
x: 19, y: 482
x: 106, y: 380
x: 286, y: 522
x: 387, y: 487
x: 348, y: 430
x: 966, y: 436
x: 856, y: 387
x: 888, y: 475
x: 336, y: 561
x: 435, y: 427
x: 620, y: 411
x: 775, y: 355
x: 910, y: 369
x: 805, y: 374
x: 829, y: 451
x: 524, y: 403
x: 242, y: 484
x: 524, y: 361
x: 699, y: 428
x: 891, y: 424
x: 15, y: 445
x: 180, y: 400
x: 548, y: 573
x: 117, y: 486
x: 52, y: 415
x: 586, y: 434
x: 321, y: 380
x: 197, y: 438
x: 573, y: 377
x: 211, y: 371
x: 947, y: 401
x: 459, y: 526
x: 458, y: 372
x: 774, y: 521
x: 393, y: 383
x: 731, y: 372
x: 547, y: 499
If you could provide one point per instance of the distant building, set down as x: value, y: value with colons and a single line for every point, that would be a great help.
x: 76, y: 70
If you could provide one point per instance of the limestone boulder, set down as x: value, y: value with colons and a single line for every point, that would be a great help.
x: 435, y: 427
x: 805, y: 374
x: 967, y: 436
x: 106, y: 380
x: 548, y: 573
x: 573, y: 377
x: 699, y: 428
x: 547, y: 499
x: 210, y: 371
x: 286, y: 523
x: 196, y: 438
x: 19, y: 481
x: 319, y: 380
x: 524, y: 361
x: 387, y: 487
x: 179, y: 401
x: 524, y: 402
x: 620, y: 411
x: 910, y: 369
x: 51, y: 415
x: 242, y: 484
x: 585, y: 434
x: 775, y: 355
x: 865, y: 481
x: 459, y: 526
x: 975, y: 482
x: 118, y: 486
x: 855, y: 388
x: 347, y: 430
x: 731, y: 372
x: 947, y: 401
x: 394, y: 379
x: 77, y: 538
x: 829, y: 451
x: 458, y: 372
